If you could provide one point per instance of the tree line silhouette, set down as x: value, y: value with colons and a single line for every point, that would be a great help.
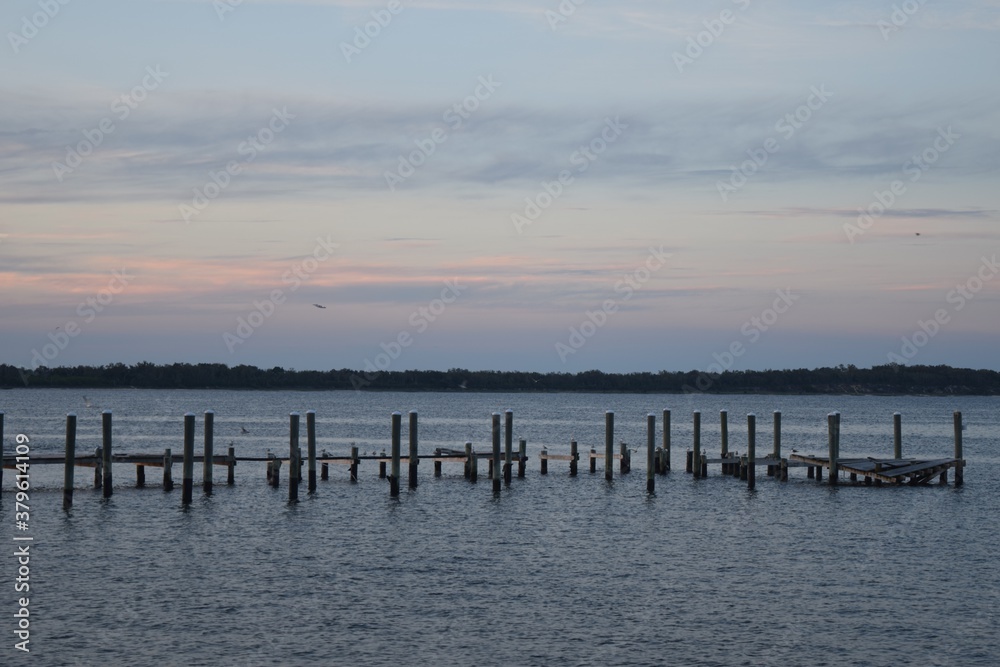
x: 885, y: 379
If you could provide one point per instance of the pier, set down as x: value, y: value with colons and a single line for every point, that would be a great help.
x: 869, y: 471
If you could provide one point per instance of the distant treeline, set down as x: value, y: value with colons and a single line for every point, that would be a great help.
x: 887, y: 379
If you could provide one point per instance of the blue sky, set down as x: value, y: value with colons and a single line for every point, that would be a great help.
x: 246, y: 176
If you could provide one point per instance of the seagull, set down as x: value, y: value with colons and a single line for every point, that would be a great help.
x: 244, y: 430
x: 319, y: 306
x: 462, y: 386
x: 87, y: 403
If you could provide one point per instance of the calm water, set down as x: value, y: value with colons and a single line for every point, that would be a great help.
x: 554, y: 571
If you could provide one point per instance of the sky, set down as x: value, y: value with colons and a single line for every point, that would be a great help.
x: 633, y: 185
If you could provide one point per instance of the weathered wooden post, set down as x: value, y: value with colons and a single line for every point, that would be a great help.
x: 473, y: 466
x: 665, y: 464
x: 231, y: 466
x: 704, y: 464
x: 324, y: 468
x: 575, y: 454
x: 209, y: 459
x: 776, y: 453
x: 724, y: 430
x: 311, y: 448
x: 381, y: 467
x: 1, y: 448
x: 593, y: 460
x: 544, y: 461
x: 897, y: 435
x: 625, y: 460
x: 354, y: 463
x: 650, y: 453
x: 751, y: 451
x: 437, y: 464
x: 397, y: 421
x: 810, y: 472
x: 293, y: 457
x: 831, y: 427
x: 689, y: 461
x: 960, y: 466
x: 609, y: 445
x: 696, y: 468
x: 106, y: 452
x: 522, y: 456
x: 70, y: 458
x: 168, y: 470
x: 414, y: 458
x: 508, y: 446
x: 784, y: 470
x: 878, y: 471
x: 468, y: 460
x: 496, y: 452
x: 187, y: 469
x: 140, y: 476
x: 744, y: 468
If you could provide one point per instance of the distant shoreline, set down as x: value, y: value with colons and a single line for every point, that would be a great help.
x: 886, y: 380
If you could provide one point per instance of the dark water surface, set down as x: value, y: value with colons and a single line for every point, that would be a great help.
x: 554, y: 571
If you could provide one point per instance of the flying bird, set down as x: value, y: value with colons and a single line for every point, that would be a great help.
x: 319, y: 306
x: 243, y: 430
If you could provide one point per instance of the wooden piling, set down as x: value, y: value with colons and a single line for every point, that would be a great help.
x: 437, y: 464
x: 575, y: 453
x: 650, y: 453
x: 625, y: 460
x: 665, y: 464
x: 468, y: 460
x: 831, y: 428
x: 810, y: 472
x: 168, y: 470
x: 724, y: 431
x: 897, y: 436
x: 311, y: 449
x: 783, y: 470
x: 140, y: 476
x: 293, y: 457
x: 187, y: 471
x: 744, y: 469
x: 609, y: 445
x: 206, y: 467
x: 70, y: 458
x: 414, y: 454
x: 751, y: 450
x: 735, y: 467
x: 397, y: 420
x: 593, y: 460
x: 106, y: 480
x: 696, y: 468
x: 689, y: 461
x: 381, y: 469
x: 522, y: 457
x: 1, y: 449
x: 231, y: 466
x: 496, y: 453
x: 776, y: 452
x: 354, y: 463
x: 878, y: 471
x: 324, y: 470
x: 508, y: 446
x: 544, y: 463
x: 704, y: 464
x: 960, y: 466
x: 473, y: 466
